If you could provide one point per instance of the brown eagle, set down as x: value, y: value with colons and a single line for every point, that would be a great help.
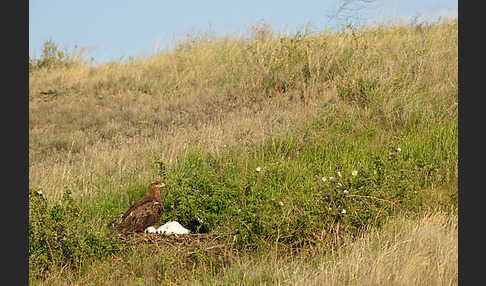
x: 144, y: 213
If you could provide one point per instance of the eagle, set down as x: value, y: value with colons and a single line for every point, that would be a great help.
x: 144, y: 213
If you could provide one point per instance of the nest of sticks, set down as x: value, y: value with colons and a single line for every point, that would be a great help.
x: 189, y: 243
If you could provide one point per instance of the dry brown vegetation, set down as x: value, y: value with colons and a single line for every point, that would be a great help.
x: 90, y: 126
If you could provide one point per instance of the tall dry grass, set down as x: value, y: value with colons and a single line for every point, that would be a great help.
x: 405, y: 251
x: 93, y: 127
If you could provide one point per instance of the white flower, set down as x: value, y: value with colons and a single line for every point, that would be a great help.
x: 258, y: 169
x: 343, y: 211
x: 345, y: 191
x: 281, y: 203
x: 331, y: 178
x: 324, y: 179
x: 354, y: 173
x: 399, y: 149
x: 339, y: 184
x: 339, y: 174
x: 39, y: 193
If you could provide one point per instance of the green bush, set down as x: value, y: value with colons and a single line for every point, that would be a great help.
x: 288, y: 200
x: 58, y: 237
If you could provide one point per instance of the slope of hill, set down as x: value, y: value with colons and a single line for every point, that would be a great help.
x: 246, y: 133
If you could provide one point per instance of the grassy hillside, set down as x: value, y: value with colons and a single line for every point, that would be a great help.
x: 375, y: 108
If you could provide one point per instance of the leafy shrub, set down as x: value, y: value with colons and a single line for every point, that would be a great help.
x: 58, y: 237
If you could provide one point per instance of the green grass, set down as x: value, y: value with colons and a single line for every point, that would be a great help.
x: 311, y: 106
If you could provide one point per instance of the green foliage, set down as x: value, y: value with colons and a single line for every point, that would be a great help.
x: 57, y: 236
x: 288, y: 199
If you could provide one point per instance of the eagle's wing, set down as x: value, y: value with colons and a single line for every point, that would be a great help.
x: 140, y: 216
x: 136, y: 205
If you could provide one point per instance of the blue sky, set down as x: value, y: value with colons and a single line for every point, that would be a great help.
x: 112, y: 30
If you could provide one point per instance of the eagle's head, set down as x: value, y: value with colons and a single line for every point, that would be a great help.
x: 154, y: 188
